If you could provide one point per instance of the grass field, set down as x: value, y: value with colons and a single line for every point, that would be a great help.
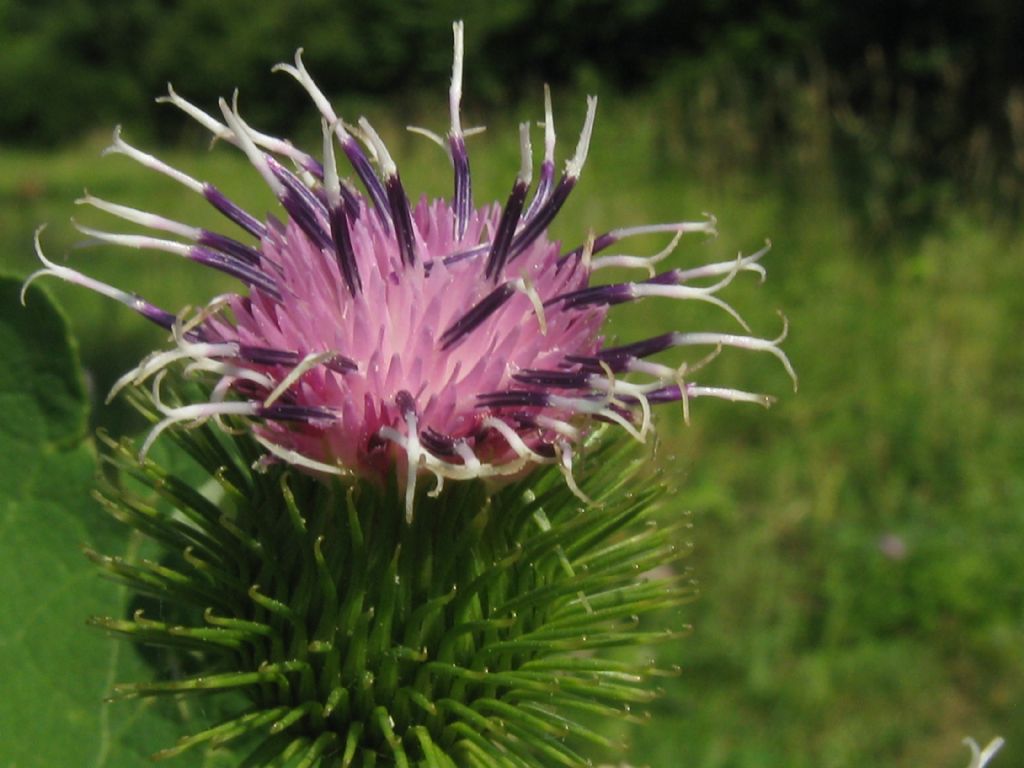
x: 858, y: 547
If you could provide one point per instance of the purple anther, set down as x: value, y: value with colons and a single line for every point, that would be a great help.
x: 671, y: 277
x: 267, y: 355
x: 343, y: 248
x: 600, y: 243
x: 237, y: 269
x: 607, y: 295
x: 506, y: 229
x: 401, y: 216
x: 366, y: 175
x: 553, y: 379
x: 670, y: 394
x: 405, y: 402
x: 313, y: 166
x: 438, y: 444
x: 463, y: 202
x: 469, y: 253
x: 305, y: 217
x: 242, y: 218
x: 547, y: 175
x: 294, y: 183
x: 340, y: 364
x: 152, y: 312
x: 305, y: 413
x: 230, y: 246
x: 513, y: 398
x: 483, y: 309
x: 536, y: 226
x: 637, y: 349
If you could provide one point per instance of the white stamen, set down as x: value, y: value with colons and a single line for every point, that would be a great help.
x: 301, y: 74
x: 332, y: 184
x: 734, y: 395
x: 751, y: 343
x: 557, y: 425
x: 135, y: 241
x: 415, y: 456
x: 981, y: 757
x: 564, y: 453
x: 739, y: 264
x: 469, y: 459
x: 611, y: 385
x: 689, y: 293
x: 227, y: 372
x: 121, y: 147
x: 307, y: 363
x: 156, y: 362
x: 455, y: 91
x: 197, y: 413
x: 434, y: 137
x: 549, y: 127
x: 684, y: 227
x: 244, y: 136
x: 636, y: 262
x: 388, y: 168
x: 210, y: 123
x: 76, y: 278
x: 525, y: 286
x: 526, y: 154
x: 135, y: 216
x: 221, y: 131
x: 574, y: 167
x: 298, y: 459
x: 514, y: 441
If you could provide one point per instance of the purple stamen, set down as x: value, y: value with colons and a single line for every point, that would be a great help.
x: 230, y: 246
x: 623, y: 354
x: 463, y: 184
x: 294, y: 183
x: 151, y: 312
x: 305, y: 217
x: 366, y: 175
x: 313, y: 166
x: 513, y: 397
x: 454, y: 258
x: 340, y: 364
x: 536, y: 226
x: 242, y: 218
x: 547, y: 175
x: 506, y: 229
x: 289, y: 412
x: 405, y: 402
x: 438, y: 444
x: 483, y: 309
x: 343, y: 250
x: 236, y: 269
x: 401, y: 217
x: 268, y: 356
x: 595, y: 295
x: 555, y: 379
x: 600, y: 243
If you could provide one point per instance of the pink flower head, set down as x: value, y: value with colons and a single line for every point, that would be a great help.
x: 438, y: 337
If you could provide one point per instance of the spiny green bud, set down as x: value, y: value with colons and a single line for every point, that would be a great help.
x: 477, y: 634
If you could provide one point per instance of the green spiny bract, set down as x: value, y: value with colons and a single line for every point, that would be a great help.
x: 476, y: 635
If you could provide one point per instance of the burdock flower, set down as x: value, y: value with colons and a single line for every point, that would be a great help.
x: 376, y: 342
x: 438, y: 336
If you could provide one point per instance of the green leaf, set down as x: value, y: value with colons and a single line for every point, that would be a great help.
x: 56, y: 670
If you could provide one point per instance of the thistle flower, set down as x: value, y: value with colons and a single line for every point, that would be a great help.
x: 376, y: 341
x: 438, y: 337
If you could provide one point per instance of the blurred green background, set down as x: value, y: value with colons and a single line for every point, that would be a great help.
x: 859, y: 546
